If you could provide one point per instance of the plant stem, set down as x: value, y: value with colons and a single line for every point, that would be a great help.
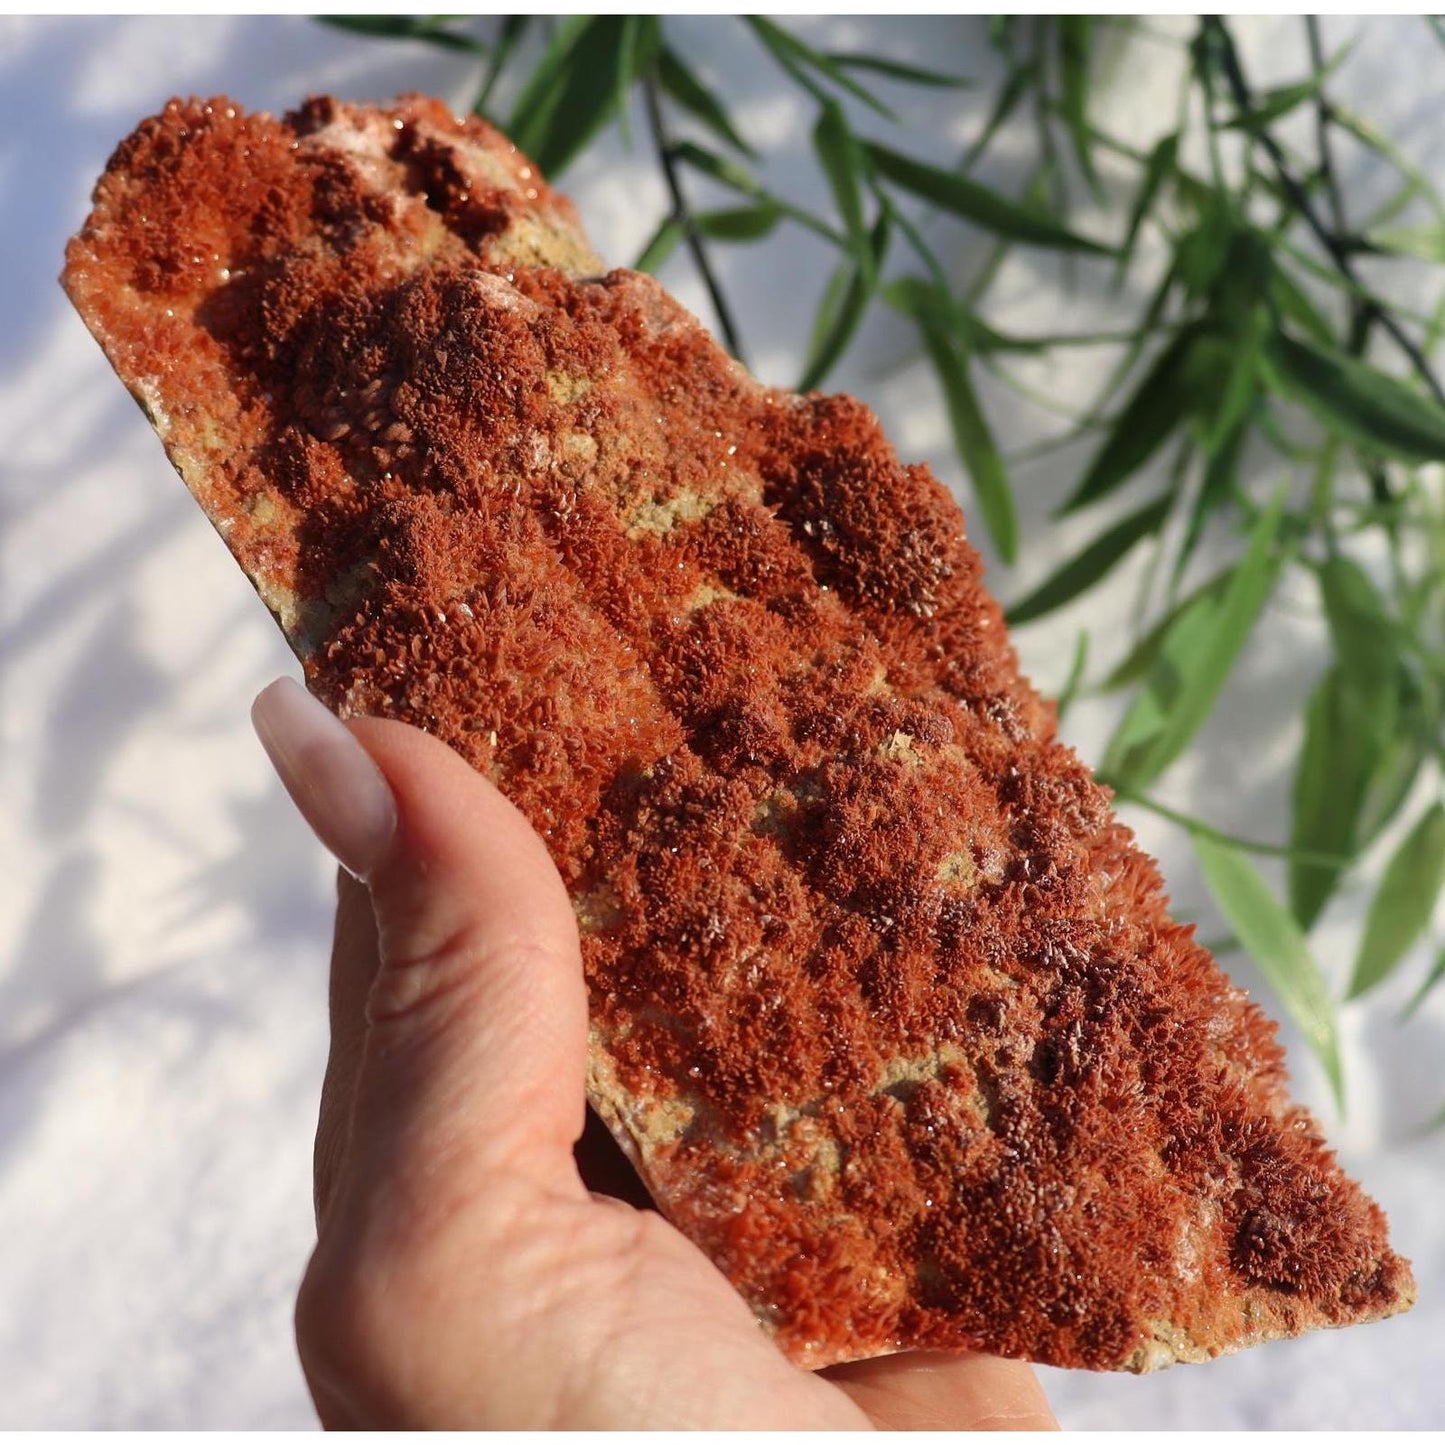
x: 1335, y: 246
x: 1245, y: 845
x: 662, y: 143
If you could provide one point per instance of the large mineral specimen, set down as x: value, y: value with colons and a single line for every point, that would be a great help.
x: 886, y: 1007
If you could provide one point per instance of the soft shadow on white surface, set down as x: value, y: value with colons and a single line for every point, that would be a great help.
x: 165, y: 915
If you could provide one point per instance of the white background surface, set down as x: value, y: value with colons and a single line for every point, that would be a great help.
x: 164, y: 915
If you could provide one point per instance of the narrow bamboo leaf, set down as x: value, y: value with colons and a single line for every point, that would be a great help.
x: 1437, y: 972
x: 428, y: 28
x: 841, y: 310
x: 1393, y: 775
x: 1401, y: 908
x: 971, y: 434
x: 509, y: 36
x: 1425, y: 242
x: 741, y: 223
x: 1329, y: 783
x: 1162, y: 163
x: 683, y: 86
x: 639, y: 41
x: 1295, y: 305
x: 897, y: 70
x: 1096, y: 560
x: 1186, y: 639
x: 1203, y: 251
x: 1221, y: 472
x: 1015, y: 87
x: 1373, y: 138
x: 1199, y: 603
x: 1075, y: 34
x: 1157, y: 407
x: 1275, y: 104
x: 973, y: 202
x: 574, y: 90
x: 665, y: 240
x: 1075, y: 679
x: 931, y: 303
x: 1365, y: 643
x: 720, y: 168
x: 1364, y: 406
x: 842, y: 161
x: 1273, y: 940
x: 1193, y: 665
x: 797, y: 58
x: 542, y: 92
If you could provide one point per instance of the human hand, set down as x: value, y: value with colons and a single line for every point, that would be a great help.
x: 464, y: 1274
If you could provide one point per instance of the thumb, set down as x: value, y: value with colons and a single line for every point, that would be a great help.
x: 475, y: 1016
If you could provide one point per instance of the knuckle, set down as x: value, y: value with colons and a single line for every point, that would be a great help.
x: 346, y: 1339
x: 427, y: 978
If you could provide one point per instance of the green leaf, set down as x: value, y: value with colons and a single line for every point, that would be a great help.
x: 1162, y: 163
x: 1158, y: 406
x: 946, y: 328
x: 509, y: 36
x: 679, y: 83
x: 1075, y: 679
x: 1425, y: 242
x: 1295, y: 305
x: 798, y: 58
x: 844, y: 301
x: 1275, y: 104
x: 574, y: 90
x: 1201, y: 603
x: 1360, y: 404
x: 841, y: 296
x: 428, y: 28
x: 1394, y: 773
x: 897, y: 70
x: 740, y: 223
x: 720, y: 168
x: 1373, y: 138
x: 1015, y: 87
x: 1437, y: 972
x: 973, y: 202
x: 1365, y: 644
x: 1355, y: 760
x: 641, y: 36
x: 1203, y: 251
x: 1274, y: 941
x: 665, y: 240
x: 1075, y: 34
x: 975, y: 443
x: 1329, y: 783
x: 843, y: 164
x: 1192, y: 666
x: 1401, y: 908
x: 1096, y: 560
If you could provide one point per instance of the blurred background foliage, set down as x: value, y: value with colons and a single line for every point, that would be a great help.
x: 1295, y: 406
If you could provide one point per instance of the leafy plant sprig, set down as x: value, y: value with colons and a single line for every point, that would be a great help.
x: 1269, y: 398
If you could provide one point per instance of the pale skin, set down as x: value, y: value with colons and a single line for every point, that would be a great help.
x: 465, y: 1274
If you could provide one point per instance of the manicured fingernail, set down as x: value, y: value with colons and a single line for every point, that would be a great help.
x: 332, y: 780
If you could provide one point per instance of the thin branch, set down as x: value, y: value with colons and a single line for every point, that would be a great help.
x: 1335, y: 246
x: 1245, y: 845
x: 662, y: 143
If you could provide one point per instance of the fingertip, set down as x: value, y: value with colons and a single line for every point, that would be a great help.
x: 328, y: 774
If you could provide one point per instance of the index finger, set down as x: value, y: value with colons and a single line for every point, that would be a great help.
x: 923, y: 1390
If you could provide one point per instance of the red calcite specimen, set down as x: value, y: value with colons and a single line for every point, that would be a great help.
x: 886, y: 1007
